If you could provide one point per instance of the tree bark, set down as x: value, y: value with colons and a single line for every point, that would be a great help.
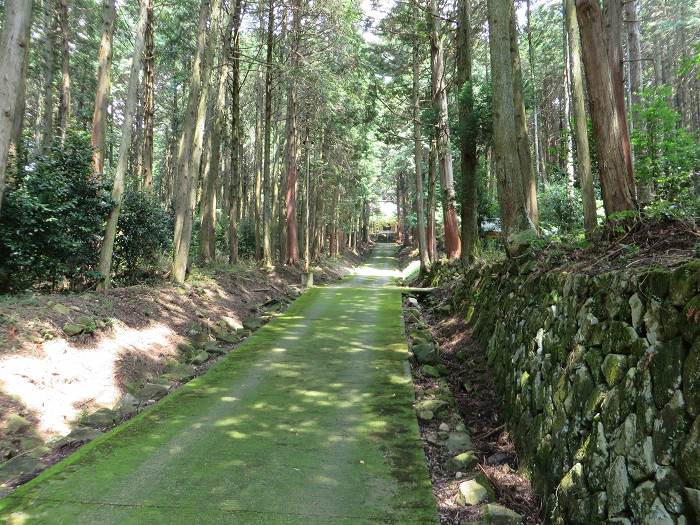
x: 64, y: 108
x: 506, y: 161
x: 292, y: 139
x: 148, y: 106
x: 235, y: 191
x: 104, y: 66
x: 468, y: 130
x: 529, y: 181
x: 107, y: 249
x: 267, y: 186
x: 452, y: 241
x: 431, y: 236
x: 14, y: 41
x: 617, y: 189
x: 191, y: 142
x: 535, y: 109
x: 583, y: 155
x: 613, y: 38
x: 417, y: 150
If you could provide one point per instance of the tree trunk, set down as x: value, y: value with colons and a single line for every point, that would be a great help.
x: 148, y: 107
x: 468, y: 130
x: 105, y: 266
x: 292, y: 139
x: 64, y: 107
x: 569, y: 157
x: 235, y: 191
x: 104, y: 66
x: 190, y: 151
x: 506, y: 161
x: 267, y: 186
x: 617, y: 189
x: 613, y: 38
x: 535, y: 108
x: 431, y: 236
x: 18, y: 16
x: 452, y: 242
x: 417, y: 150
x: 583, y: 156
x: 529, y: 182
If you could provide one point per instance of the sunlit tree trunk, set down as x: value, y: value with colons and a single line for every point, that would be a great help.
x: 292, y: 256
x: 64, y: 108
x: 618, y: 191
x: 191, y: 142
x: 107, y: 249
x: 431, y: 236
x: 468, y: 130
x: 535, y: 109
x: 568, y: 126
x: 235, y: 182
x: 267, y: 186
x: 13, y: 43
x: 149, y: 106
x: 529, y: 182
x: 104, y: 65
x: 613, y: 38
x: 506, y: 162
x: 583, y: 155
x: 417, y: 151
x: 452, y: 241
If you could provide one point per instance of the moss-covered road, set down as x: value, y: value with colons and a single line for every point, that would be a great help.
x: 310, y: 422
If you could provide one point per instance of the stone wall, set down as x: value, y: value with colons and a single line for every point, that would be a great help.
x: 599, y: 379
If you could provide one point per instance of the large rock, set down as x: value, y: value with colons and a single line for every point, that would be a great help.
x: 426, y: 353
x: 689, y: 464
x: 666, y: 367
x: 496, y: 514
x: 669, y: 429
x: 73, y: 329
x: 61, y: 309
x: 614, y: 368
x: 103, y: 418
x: 152, y: 391
x: 691, y: 380
x: 459, y: 441
x: 642, y: 499
x: 434, y: 405
x: 19, y: 466
x: 77, y: 437
x: 201, y: 358
x: 618, y: 486
x: 461, y: 462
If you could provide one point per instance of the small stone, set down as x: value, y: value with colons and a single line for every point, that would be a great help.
x: 181, y: 373
x: 459, y: 441
x: 430, y: 371
x: 201, y: 358
x: 103, y: 418
x: 252, y: 323
x: 462, y: 462
x: 231, y: 323
x: 475, y: 491
x: 614, y: 368
x: 444, y: 427
x: 127, y: 405
x: 496, y: 514
x: 498, y: 458
x: 425, y: 353
x: 618, y: 486
x: 434, y: 405
x: 72, y: 329
x: 637, y: 310
x: 413, y: 301
x: 16, y: 424
x: 425, y: 415
x: 61, y: 309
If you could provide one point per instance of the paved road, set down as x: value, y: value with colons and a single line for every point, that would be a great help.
x: 309, y: 422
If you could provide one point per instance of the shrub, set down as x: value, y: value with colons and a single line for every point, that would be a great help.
x: 559, y: 213
x: 52, y: 219
x: 144, y: 232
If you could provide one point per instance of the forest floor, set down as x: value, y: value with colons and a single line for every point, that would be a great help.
x: 133, y: 345
x: 310, y: 420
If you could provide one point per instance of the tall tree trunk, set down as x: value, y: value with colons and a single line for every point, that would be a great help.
x: 16, y: 147
x: 417, y: 150
x: 292, y: 139
x: 190, y: 151
x: 468, y: 130
x: 617, y: 189
x: 431, y: 236
x: 583, y: 155
x: 506, y: 161
x: 207, y: 236
x: 307, y: 204
x: 613, y: 38
x: 64, y: 108
x: 14, y: 41
x: 267, y: 205
x: 149, y: 106
x: 45, y: 134
x: 536, y: 108
x: 452, y: 242
x: 104, y: 66
x: 568, y: 127
x: 529, y: 182
x: 105, y: 265
x: 235, y: 192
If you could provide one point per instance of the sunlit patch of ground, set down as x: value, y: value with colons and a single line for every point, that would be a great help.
x: 64, y: 380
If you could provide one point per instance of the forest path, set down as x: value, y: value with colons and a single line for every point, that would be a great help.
x: 310, y: 422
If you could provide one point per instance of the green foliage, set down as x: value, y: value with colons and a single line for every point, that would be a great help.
x: 667, y: 156
x: 144, y: 232
x: 52, y: 219
x: 558, y: 212
x: 246, y: 239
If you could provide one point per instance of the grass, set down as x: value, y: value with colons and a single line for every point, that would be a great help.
x: 310, y: 421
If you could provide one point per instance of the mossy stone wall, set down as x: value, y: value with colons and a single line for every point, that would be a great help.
x: 599, y: 379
